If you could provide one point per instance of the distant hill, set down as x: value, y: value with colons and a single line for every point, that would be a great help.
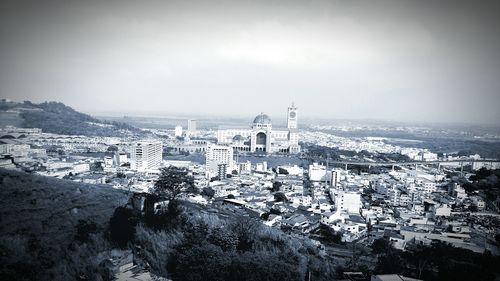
x: 57, y: 118
x: 53, y: 229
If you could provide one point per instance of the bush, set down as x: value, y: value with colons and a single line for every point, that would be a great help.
x: 122, y: 226
x: 208, y: 191
x: 84, y: 229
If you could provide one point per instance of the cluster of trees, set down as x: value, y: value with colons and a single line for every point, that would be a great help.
x: 487, y: 182
x: 55, y: 117
x: 183, y: 243
x: 205, y: 247
x: 439, y: 261
x: 333, y: 154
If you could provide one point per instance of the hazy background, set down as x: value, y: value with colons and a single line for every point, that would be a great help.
x: 434, y: 61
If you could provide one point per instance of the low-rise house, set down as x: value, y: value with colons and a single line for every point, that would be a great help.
x: 273, y: 220
x: 297, y: 221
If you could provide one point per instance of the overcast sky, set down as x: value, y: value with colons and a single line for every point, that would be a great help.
x: 392, y: 60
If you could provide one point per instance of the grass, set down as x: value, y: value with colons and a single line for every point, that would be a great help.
x: 38, y: 224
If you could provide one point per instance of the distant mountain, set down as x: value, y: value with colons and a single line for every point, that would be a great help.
x: 57, y: 118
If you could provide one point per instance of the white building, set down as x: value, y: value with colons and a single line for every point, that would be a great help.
x: 244, y: 167
x: 429, y: 156
x: 262, y: 137
x: 120, y: 158
x: 191, y: 129
x: 335, y: 178
x: 108, y: 161
x: 219, y: 160
x: 429, y: 186
x: 81, y: 168
x: 347, y: 201
x: 318, y: 173
x: 261, y: 167
x: 291, y: 117
x: 178, y: 131
x: 293, y: 170
x: 17, y: 150
x: 146, y: 155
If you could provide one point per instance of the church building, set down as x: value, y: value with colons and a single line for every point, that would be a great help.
x: 262, y: 137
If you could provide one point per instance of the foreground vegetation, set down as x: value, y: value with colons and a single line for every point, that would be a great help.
x: 438, y: 261
x: 58, y: 230
x: 183, y: 242
x: 53, y: 229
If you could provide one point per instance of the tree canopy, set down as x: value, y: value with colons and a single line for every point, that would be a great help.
x: 172, y: 182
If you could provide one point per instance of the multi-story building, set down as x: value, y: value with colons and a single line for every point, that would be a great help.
x: 146, y: 155
x: 219, y: 159
x: 335, y: 180
x: 191, y: 129
x: 428, y: 186
x: 348, y: 201
x: 178, y: 131
x: 318, y: 173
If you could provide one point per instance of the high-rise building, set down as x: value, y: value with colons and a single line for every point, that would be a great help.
x: 335, y: 178
x: 146, y: 155
x: 291, y: 118
x: 191, y: 129
x: 218, y: 158
x: 178, y: 131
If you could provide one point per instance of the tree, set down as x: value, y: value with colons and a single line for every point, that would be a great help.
x: 381, y: 246
x: 122, y: 226
x: 276, y: 186
x: 390, y: 263
x: 245, y: 230
x: 208, y: 191
x: 172, y: 182
x: 480, y: 174
x: 472, y: 208
x: 419, y: 258
x: 223, y: 238
x: 369, y: 225
x: 280, y: 197
x: 84, y: 229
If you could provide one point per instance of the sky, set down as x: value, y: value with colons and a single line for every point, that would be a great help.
x: 425, y: 61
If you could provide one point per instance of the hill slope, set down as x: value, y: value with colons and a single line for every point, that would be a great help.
x: 57, y: 118
x: 41, y: 219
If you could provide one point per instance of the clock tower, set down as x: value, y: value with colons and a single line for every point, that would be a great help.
x: 291, y: 117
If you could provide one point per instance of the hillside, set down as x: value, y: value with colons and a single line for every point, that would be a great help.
x: 53, y: 229
x: 57, y: 118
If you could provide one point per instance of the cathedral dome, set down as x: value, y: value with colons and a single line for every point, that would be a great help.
x: 262, y: 119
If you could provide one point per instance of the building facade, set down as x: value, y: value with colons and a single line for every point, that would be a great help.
x: 219, y: 160
x: 146, y: 155
x: 191, y: 127
x: 262, y: 137
x: 291, y: 117
x: 178, y: 131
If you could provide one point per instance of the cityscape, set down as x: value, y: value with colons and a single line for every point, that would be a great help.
x: 207, y: 181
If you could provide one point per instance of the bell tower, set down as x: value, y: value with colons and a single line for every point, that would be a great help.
x: 291, y: 119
